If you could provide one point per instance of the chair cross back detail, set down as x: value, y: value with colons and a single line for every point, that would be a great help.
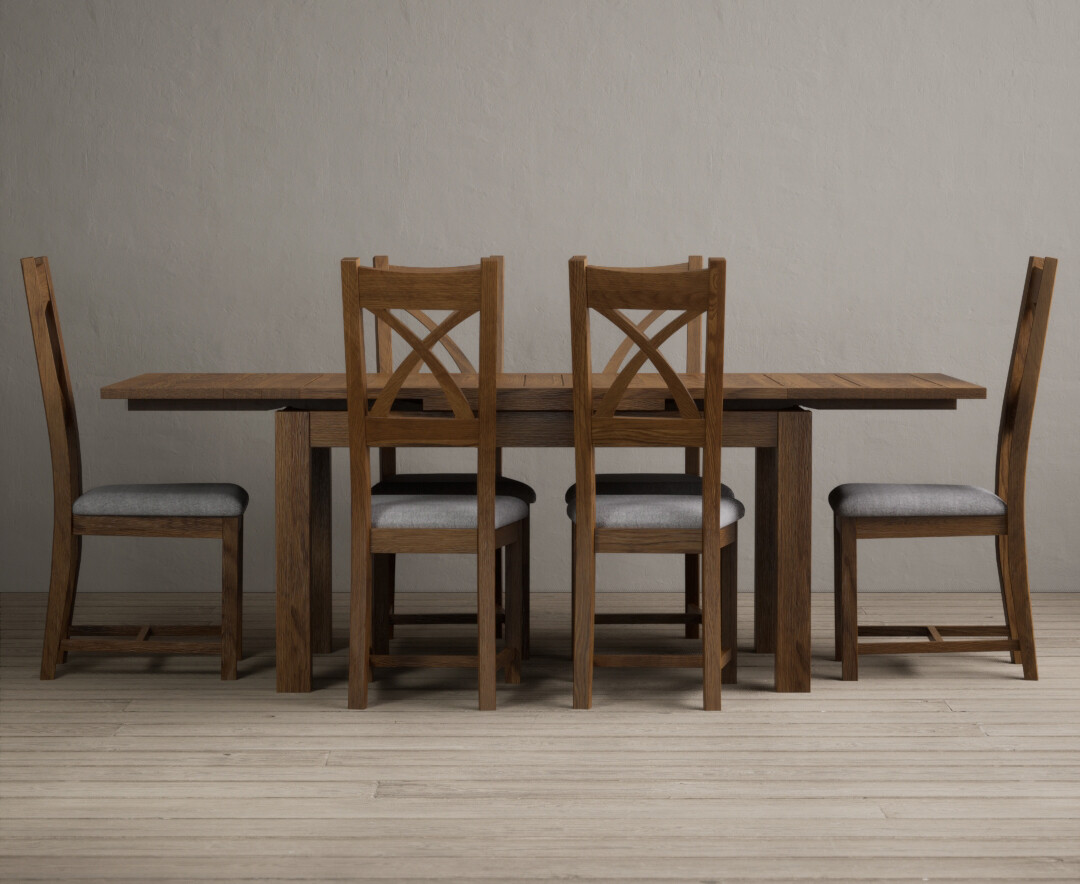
x: 464, y: 291
x: 1022, y: 384
x: 697, y: 294
x: 56, y: 386
x: 384, y: 350
x: 693, y: 327
x: 384, y: 357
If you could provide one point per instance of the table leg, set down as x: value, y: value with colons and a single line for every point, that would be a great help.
x: 293, y: 502
x: 794, y: 469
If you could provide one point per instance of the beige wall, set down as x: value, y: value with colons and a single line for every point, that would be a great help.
x: 876, y: 174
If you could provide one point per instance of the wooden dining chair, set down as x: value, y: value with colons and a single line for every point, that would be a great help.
x: 872, y: 510
x: 479, y: 524
x: 165, y: 510
x: 686, y: 482
x: 393, y: 482
x: 706, y: 524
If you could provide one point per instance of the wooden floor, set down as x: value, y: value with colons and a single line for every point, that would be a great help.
x: 937, y: 767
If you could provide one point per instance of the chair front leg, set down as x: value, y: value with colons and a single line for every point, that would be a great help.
x: 514, y: 623
x: 849, y: 603
x: 712, y: 629
x: 232, y: 596
x: 360, y: 615
x: 838, y: 596
x: 692, y: 592
x: 382, y: 625
x: 485, y: 622
x: 584, y: 614
x: 526, y: 614
x: 729, y: 608
x: 500, y: 602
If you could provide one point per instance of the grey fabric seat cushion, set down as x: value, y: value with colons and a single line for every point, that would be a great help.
x: 878, y: 499
x: 178, y: 500
x: 440, y: 511
x: 656, y: 511
x: 450, y: 483
x: 647, y: 483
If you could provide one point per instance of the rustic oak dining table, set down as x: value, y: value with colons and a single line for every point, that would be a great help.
x: 770, y: 412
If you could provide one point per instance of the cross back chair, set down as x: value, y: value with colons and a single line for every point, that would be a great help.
x: 393, y: 482
x: 687, y: 482
x: 863, y: 511
x: 479, y: 524
x: 705, y: 524
x: 168, y: 510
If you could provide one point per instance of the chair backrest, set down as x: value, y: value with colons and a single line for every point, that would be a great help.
x: 384, y: 348
x: 696, y: 294
x: 55, y: 385
x: 464, y: 291
x: 1023, y: 382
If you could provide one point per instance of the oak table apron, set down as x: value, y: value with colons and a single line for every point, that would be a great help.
x: 766, y: 411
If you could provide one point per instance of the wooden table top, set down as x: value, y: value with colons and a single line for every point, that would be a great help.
x: 536, y: 391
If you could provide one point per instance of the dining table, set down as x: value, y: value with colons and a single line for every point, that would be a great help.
x: 770, y: 412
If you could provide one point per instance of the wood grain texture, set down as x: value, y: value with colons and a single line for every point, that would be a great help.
x: 794, y: 468
x: 147, y: 526
x: 292, y: 548
x: 547, y: 391
x: 930, y: 526
x: 555, y: 429
x: 583, y: 563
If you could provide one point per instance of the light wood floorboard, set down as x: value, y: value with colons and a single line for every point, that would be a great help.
x: 938, y: 767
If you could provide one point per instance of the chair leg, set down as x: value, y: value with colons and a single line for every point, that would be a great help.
x: 391, y: 585
x: 838, y: 596
x: 514, y: 630
x: 1021, y: 600
x: 573, y: 588
x: 526, y: 618
x: 729, y: 609
x: 712, y: 629
x: 692, y: 591
x: 232, y: 596
x: 360, y: 624
x: 63, y: 582
x: 584, y: 615
x: 485, y: 622
x: 1001, y: 546
x: 849, y: 605
x: 73, y: 583
x: 500, y: 603
x: 381, y: 624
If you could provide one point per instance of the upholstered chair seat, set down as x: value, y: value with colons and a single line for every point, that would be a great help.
x: 180, y: 500
x: 666, y: 511
x: 860, y: 500
x: 448, y: 511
